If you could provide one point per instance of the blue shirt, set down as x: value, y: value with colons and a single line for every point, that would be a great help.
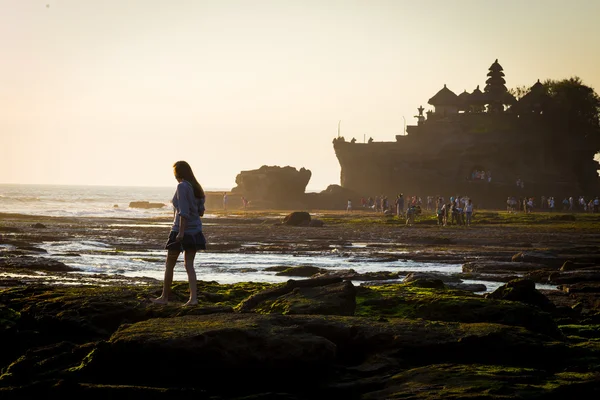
x: 187, y: 206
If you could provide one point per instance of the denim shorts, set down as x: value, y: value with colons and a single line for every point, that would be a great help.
x: 191, y: 241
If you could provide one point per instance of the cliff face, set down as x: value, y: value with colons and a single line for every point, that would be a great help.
x: 446, y: 157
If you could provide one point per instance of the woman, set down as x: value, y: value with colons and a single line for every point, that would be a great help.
x: 186, y: 234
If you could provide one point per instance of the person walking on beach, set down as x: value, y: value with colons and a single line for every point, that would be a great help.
x: 186, y: 233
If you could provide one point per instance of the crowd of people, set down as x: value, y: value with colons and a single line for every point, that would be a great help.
x: 550, y: 204
x: 457, y: 211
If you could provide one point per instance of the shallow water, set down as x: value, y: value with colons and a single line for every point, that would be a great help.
x: 97, y: 257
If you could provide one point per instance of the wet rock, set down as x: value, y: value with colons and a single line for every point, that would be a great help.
x: 39, y: 226
x: 317, y: 223
x: 145, y: 204
x: 9, y: 229
x: 297, y: 218
x: 427, y: 283
x: 352, y: 275
x: 582, y: 287
x: 502, y: 267
x: 522, y: 290
x: 539, y: 257
x: 35, y: 263
x: 304, y: 271
x: 32, y: 249
x: 373, y: 258
x: 468, y: 287
x: 570, y: 265
x: 575, y: 276
x: 413, y: 276
x: 277, y: 268
x: 271, y: 293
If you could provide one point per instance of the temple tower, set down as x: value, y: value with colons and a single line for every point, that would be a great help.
x: 495, y: 89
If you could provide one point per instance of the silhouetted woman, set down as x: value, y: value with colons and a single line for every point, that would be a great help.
x: 186, y: 234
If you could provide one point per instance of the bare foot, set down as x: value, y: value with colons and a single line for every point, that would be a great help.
x: 159, y: 300
x: 191, y: 303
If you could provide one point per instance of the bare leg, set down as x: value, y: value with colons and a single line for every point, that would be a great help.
x: 188, y: 259
x: 169, y: 266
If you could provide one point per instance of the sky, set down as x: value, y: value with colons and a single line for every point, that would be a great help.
x: 113, y: 92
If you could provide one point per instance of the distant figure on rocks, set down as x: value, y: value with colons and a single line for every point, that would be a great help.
x: 244, y: 202
x: 400, y: 205
x: 349, y: 207
x: 225, y: 201
x: 186, y: 233
x: 469, y: 212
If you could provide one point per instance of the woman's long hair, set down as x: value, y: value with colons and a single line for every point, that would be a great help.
x: 184, y: 171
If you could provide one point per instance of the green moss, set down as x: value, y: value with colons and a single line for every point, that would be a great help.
x: 457, y: 381
x: 8, y: 317
x: 583, y: 331
x: 408, y: 301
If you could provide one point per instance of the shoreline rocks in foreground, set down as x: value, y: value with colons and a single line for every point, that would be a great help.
x: 320, y: 335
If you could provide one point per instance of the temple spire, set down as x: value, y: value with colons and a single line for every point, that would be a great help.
x: 495, y: 89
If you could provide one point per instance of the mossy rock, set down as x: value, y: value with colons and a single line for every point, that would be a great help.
x: 8, y: 318
x: 272, y: 350
x: 408, y: 301
x: 476, y: 381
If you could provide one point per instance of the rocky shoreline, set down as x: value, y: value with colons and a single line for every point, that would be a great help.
x: 320, y: 334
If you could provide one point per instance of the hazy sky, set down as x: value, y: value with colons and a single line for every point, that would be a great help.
x: 113, y: 92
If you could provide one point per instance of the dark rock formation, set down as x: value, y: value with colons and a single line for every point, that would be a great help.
x: 297, y: 218
x: 288, y: 341
x: 522, y: 290
x: 502, y: 267
x: 302, y: 271
x: 145, y: 204
x: 334, y: 197
x: 541, y: 257
x: 273, y: 184
x: 34, y: 263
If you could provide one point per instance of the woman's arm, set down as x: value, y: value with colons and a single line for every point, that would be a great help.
x: 182, y: 226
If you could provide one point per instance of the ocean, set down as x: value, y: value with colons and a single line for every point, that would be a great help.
x: 84, y: 201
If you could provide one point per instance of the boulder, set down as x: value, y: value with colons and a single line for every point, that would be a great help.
x: 522, y: 290
x: 297, y: 218
x: 272, y: 183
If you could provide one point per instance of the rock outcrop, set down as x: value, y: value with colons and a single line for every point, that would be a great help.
x: 272, y: 183
x: 294, y: 339
x: 145, y: 204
